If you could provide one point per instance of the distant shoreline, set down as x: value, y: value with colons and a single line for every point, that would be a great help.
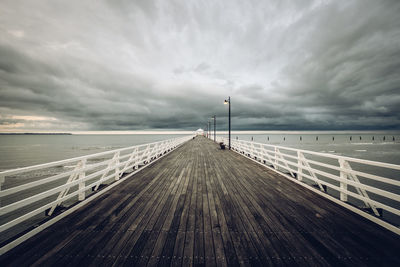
x: 35, y: 133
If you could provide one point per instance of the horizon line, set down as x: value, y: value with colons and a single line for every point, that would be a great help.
x: 154, y: 132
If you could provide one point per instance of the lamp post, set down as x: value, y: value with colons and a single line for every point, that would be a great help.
x: 215, y: 127
x: 228, y: 102
x: 209, y: 129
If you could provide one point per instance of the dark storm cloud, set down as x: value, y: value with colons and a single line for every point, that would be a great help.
x: 128, y: 65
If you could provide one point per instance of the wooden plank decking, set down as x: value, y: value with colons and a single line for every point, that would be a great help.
x: 202, y: 205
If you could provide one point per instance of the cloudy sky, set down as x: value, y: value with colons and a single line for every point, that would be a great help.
x: 140, y: 64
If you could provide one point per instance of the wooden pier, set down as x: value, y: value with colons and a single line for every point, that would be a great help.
x: 200, y: 205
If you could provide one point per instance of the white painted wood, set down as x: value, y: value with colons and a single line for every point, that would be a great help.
x: 275, y: 157
x: 2, y: 178
x: 136, y: 164
x: 16, y: 242
x: 282, y: 159
x: 368, y: 216
x: 64, y: 192
x: 78, y: 180
x: 295, y: 160
x: 82, y: 175
x: 116, y: 170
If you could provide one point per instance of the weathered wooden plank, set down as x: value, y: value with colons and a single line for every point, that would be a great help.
x: 202, y: 205
x: 215, y: 226
x: 210, y: 259
x: 230, y: 253
x: 157, y: 252
x: 252, y: 231
x: 276, y: 232
x: 199, y: 256
x: 177, y: 255
x: 128, y: 224
x: 133, y: 252
x: 244, y: 250
x: 157, y: 222
x: 188, y: 248
x: 287, y: 237
x: 326, y: 246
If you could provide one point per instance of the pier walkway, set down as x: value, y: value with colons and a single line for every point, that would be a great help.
x: 202, y: 205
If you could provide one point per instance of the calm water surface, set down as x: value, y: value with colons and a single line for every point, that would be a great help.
x: 384, y: 147
x: 26, y: 150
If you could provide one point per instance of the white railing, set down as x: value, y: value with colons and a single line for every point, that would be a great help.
x: 30, y: 191
x: 342, y: 177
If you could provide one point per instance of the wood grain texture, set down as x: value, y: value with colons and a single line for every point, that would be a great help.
x: 201, y: 205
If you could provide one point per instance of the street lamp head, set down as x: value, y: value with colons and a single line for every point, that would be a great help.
x: 226, y: 102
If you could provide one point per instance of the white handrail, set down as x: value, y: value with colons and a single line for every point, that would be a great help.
x: 341, y: 178
x: 88, y: 173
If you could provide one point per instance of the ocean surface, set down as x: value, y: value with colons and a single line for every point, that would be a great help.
x: 26, y: 150
x: 383, y: 147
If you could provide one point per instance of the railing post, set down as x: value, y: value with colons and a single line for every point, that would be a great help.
x: 136, y: 158
x: 311, y: 172
x: 82, y: 175
x: 276, y: 157
x: 252, y: 151
x: 300, y: 166
x: 146, y: 155
x: 2, y: 179
x: 343, y: 175
x: 117, y: 166
x: 65, y: 191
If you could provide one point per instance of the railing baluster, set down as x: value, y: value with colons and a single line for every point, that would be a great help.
x: 2, y: 179
x: 82, y: 176
x: 106, y: 171
x: 300, y: 166
x: 117, y: 174
x: 276, y: 158
x: 360, y: 191
x: 128, y: 161
x: 145, y: 153
x: 310, y: 170
x: 75, y: 181
x: 85, y: 176
x: 343, y: 185
x: 136, y: 166
x: 64, y: 192
x: 282, y: 159
x: 304, y: 170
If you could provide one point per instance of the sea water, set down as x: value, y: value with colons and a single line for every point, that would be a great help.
x: 26, y: 150
x: 383, y: 147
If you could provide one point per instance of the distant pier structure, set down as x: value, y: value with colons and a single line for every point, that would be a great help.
x: 188, y: 202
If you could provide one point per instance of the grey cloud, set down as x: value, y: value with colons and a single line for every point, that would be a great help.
x: 126, y: 65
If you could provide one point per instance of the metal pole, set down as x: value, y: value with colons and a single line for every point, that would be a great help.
x: 215, y: 127
x: 229, y: 122
x: 209, y: 129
